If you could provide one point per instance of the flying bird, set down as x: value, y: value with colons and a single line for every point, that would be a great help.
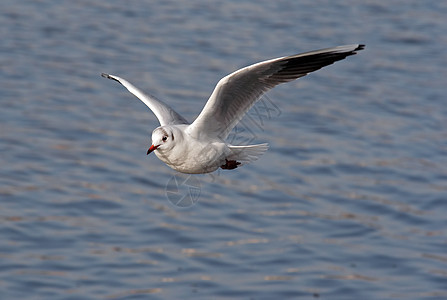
x: 200, y: 147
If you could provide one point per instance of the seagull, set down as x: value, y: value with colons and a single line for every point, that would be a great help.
x: 199, y: 147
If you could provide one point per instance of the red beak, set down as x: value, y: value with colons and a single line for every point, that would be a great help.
x: 152, y: 148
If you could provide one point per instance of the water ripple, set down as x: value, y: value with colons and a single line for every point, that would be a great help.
x: 348, y: 203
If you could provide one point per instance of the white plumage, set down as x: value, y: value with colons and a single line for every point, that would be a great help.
x: 200, y: 147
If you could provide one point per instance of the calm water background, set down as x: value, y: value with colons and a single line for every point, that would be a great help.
x: 350, y: 202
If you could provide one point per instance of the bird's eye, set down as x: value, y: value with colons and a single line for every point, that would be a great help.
x: 164, y: 138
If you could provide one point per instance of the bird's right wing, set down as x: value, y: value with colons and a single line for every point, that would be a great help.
x: 164, y: 113
x: 236, y: 93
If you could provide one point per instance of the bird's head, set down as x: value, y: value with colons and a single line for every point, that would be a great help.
x: 162, y: 139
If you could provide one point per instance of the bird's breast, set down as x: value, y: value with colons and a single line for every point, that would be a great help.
x: 195, y: 158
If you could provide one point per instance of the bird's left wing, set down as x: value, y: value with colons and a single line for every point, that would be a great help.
x: 164, y: 113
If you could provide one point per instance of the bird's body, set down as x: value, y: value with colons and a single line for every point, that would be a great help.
x: 200, y: 147
x: 194, y: 155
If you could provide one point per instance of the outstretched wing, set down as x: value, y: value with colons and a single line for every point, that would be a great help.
x: 236, y: 93
x: 164, y: 113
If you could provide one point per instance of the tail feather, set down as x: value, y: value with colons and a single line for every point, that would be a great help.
x: 247, y: 154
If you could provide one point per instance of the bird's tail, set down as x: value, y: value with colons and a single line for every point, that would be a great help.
x: 247, y: 154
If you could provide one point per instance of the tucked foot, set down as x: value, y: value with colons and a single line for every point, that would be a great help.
x: 230, y: 164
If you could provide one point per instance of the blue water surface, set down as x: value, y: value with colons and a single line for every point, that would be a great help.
x: 350, y: 201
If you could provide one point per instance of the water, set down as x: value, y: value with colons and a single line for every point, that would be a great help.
x: 348, y: 203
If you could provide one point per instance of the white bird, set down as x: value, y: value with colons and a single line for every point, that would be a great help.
x: 200, y: 147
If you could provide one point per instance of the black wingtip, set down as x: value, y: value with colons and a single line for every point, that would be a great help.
x: 108, y: 76
x: 360, y: 47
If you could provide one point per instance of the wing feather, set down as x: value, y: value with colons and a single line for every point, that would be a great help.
x: 164, y: 113
x: 237, y: 92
